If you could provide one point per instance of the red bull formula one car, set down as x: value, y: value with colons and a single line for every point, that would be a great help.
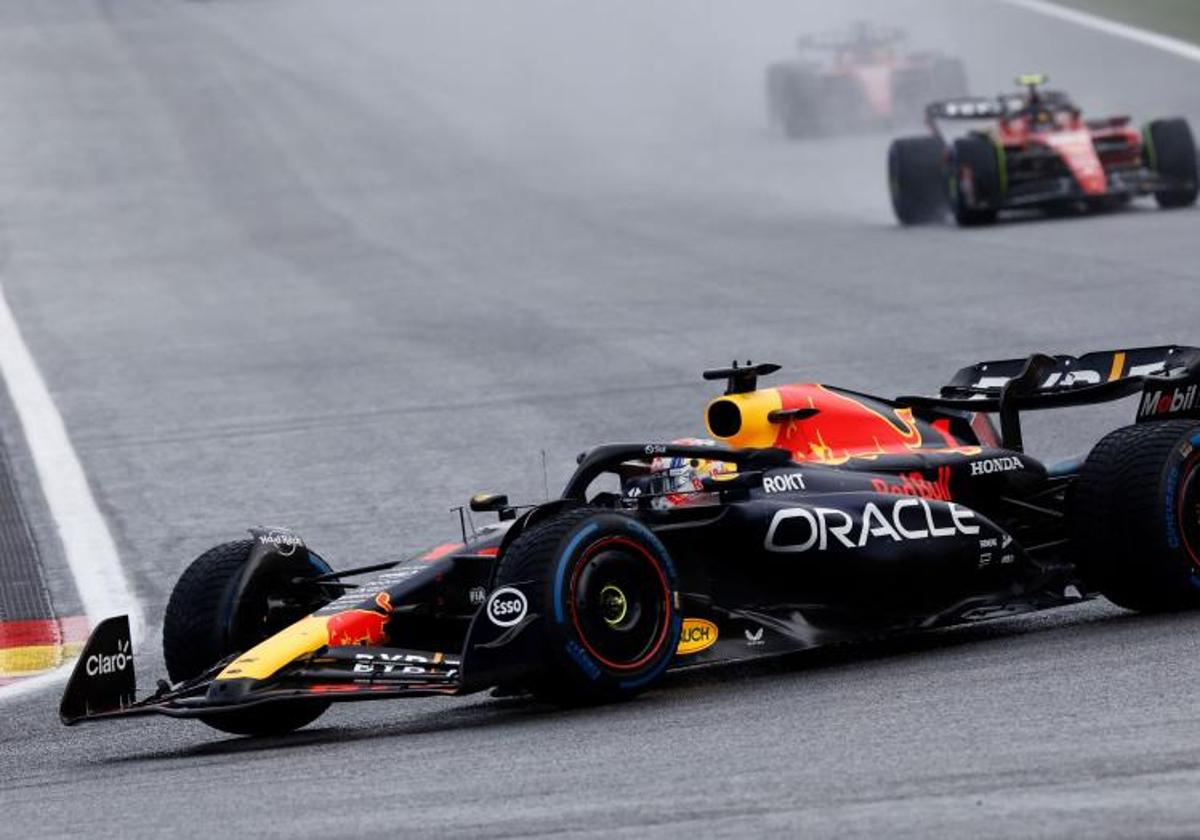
x: 814, y: 515
x: 1035, y: 150
x: 866, y: 82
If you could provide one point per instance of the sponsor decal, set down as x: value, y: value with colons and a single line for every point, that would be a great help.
x: 110, y: 663
x: 361, y: 626
x: 284, y: 542
x: 477, y: 595
x: 785, y: 483
x: 1169, y: 511
x: 698, y: 634
x: 576, y: 652
x: 382, y: 581
x: 915, y: 484
x: 1173, y: 401
x: 506, y: 606
x: 906, y: 518
x: 402, y: 662
x: 754, y: 638
x: 1003, y: 464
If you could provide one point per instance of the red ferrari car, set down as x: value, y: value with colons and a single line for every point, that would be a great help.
x: 856, y: 82
x: 1034, y: 149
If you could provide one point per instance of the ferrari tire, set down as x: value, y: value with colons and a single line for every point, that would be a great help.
x: 844, y: 108
x: 1171, y: 152
x: 975, y: 190
x: 213, y: 613
x: 606, y: 589
x: 915, y: 179
x: 1135, y: 516
x: 792, y: 105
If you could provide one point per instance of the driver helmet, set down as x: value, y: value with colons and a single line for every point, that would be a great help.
x: 680, y: 481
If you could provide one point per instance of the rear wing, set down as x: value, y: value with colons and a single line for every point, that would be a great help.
x: 965, y: 108
x: 969, y: 108
x: 1166, y: 377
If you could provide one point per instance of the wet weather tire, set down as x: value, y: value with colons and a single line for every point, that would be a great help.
x: 915, y: 179
x: 606, y: 589
x: 1135, y: 516
x: 975, y: 191
x: 1171, y: 152
x: 207, y: 620
x: 793, y: 100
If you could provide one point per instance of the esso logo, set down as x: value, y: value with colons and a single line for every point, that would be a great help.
x: 506, y: 606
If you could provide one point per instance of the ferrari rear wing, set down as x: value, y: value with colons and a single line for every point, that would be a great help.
x: 965, y: 108
x: 1167, y: 377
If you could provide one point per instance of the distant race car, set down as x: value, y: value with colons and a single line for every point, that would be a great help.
x: 865, y: 83
x: 1033, y: 149
x: 821, y: 515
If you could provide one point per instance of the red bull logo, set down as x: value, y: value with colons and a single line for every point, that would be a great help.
x: 361, y: 626
x: 915, y: 484
x: 845, y: 427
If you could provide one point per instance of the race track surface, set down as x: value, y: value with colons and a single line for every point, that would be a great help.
x: 341, y: 265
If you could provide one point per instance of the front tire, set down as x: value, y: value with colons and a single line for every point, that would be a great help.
x: 1135, y: 516
x: 213, y: 614
x: 1171, y: 152
x: 607, y: 591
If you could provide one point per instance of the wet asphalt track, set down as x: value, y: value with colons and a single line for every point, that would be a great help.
x: 342, y: 264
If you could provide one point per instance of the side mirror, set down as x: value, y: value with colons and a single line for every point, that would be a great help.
x: 488, y: 502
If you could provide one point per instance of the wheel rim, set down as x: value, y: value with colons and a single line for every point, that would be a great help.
x: 1188, y: 508
x: 620, y: 603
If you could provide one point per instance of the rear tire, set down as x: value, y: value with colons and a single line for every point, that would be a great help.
x: 792, y: 105
x: 212, y: 616
x: 1135, y: 516
x: 1170, y: 151
x: 975, y: 192
x: 915, y: 179
x: 843, y: 107
x: 607, y: 593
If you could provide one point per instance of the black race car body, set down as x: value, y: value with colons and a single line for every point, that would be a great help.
x: 835, y: 515
x: 1035, y: 150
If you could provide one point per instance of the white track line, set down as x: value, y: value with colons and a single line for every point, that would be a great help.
x: 87, y: 543
x: 1175, y: 46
